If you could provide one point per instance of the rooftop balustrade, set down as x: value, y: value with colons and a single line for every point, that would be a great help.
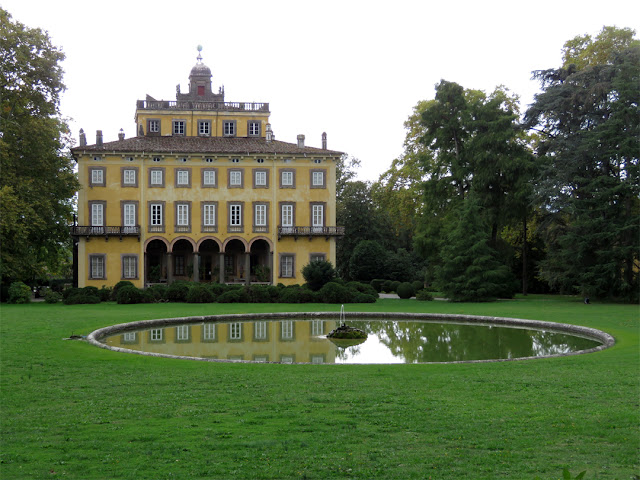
x: 203, y: 106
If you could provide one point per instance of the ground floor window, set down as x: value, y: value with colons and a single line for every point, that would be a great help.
x: 130, y: 266
x: 235, y: 331
x: 178, y: 263
x: 97, y: 269
x: 286, y: 266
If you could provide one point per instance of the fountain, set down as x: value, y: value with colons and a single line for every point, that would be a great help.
x: 345, y: 336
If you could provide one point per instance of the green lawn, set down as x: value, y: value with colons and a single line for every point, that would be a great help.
x: 72, y: 410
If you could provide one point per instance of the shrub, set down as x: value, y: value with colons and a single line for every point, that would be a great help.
x: 363, y: 288
x: 377, y: 284
x: 297, y: 294
x: 387, y: 287
x: 178, y: 291
x: 364, y: 298
x: 417, y: 285
x: 19, y: 293
x: 198, y: 293
x: 231, y: 296
x: 105, y: 294
x: 394, y: 286
x: 158, y: 292
x: 52, y: 297
x: 258, y: 294
x: 318, y: 273
x: 405, y: 290
x: 92, y: 291
x: 80, y: 296
x: 333, y: 292
x: 117, y: 286
x: 216, y: 289
x: 129, y: 294
x: 424, y: 295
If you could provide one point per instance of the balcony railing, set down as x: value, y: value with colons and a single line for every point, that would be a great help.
x: 203, y: 106
x: 310, y: 232
x: 109, y: 231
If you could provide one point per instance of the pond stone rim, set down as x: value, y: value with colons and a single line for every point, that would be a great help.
x: 606, y: 339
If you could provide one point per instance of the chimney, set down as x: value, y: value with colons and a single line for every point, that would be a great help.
x: 269, y: 133
x: 83, y: 138
x: 121, y: 135
x: 300, y: 141
x: 98, y: 138
x: 324, y: 140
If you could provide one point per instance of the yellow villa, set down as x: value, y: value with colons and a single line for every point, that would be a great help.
x: 204, y: 192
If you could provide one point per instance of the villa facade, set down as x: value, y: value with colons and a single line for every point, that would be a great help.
x: 204, y: 192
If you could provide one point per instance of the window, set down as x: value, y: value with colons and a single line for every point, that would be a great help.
x: 317, y: 257
x: 178, y: 264
x: 183, y: 219
x: 317, y: 217
x: 253, y: 129
x: 260, y: 217
x: 235, y: 178
x: 235, y: 160
x: 154, y: 126
x: 229, y: 128
x: 97, y: 213
x: 97, y: 267
x: 129, y: 177
x: 317, y: 328
x: 235, y: 331
x: 178, y: 127
x: 129, y: 337
x: 260, y: 160
x: 129, y: 215
x: 156, y: 334
x: 156, y: 177
x: 208, y: 160
x: 286, y: 359
x: 260, y: 178
x: 97, y: 176
x: 183, y: 333
x: 235, y: 218
x: 287, y: 178
x: 260, y: 330
x: 156, y: 159
x: 129, y: 267
x: 209, y: 332
x: 286, y: 265
x: 209, y: 223
x: 204, y: 128
x: 286, y: 330
x: 317, y: 160
x: 156, y: 217
x: 317, y: 179
x: 209, y: 177
x: 317, y: 359
x: 287, y: 217
x: 183, y: 178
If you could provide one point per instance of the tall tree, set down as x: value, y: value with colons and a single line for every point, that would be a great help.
x: 37, y: 183
x: 590, y: 141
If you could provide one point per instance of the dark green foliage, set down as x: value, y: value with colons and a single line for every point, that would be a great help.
x: 198, y: 293
x: 297, y: 294
x: 405, y: 290
x: 92, y: 291
x: 105, y: 294
x: 19, y: 293
x: 317, y: 273
x: 158, y: 292
x: 471, y: 271
x: 387, y: 286
x: 417, y: 285
x: 129, y: 294
x: 424, y: 296
x: 234, y: 295
x: 335, y: 293
x: 52, y: 297
x: 377, y: 283
x: 178, y: 291
x: 394, y: 286
x: 259, y: 294
x: 363, y: 288
x: 364, y: 298
x: 80, y: 296
x: 590, y: 183
x: 38, y: 182
x: 368, y: 261
x: 216, y: 289
x: 117, y: 286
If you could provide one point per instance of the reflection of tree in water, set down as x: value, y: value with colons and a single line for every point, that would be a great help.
x: 345, y: 354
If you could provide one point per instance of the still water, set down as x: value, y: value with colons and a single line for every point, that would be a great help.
x: 304, y: 341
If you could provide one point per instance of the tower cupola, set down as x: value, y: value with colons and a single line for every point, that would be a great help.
x: 200, y: 84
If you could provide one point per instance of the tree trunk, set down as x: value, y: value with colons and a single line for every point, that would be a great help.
x: 525, y: 282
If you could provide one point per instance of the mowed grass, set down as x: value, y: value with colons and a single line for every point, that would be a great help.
x: 72, y: 410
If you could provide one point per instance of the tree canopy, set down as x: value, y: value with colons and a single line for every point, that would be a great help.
x: 37, y: 182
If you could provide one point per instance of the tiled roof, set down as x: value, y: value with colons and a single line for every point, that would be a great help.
x: 202, y: 145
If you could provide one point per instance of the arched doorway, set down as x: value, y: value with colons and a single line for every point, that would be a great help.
x: 209, y: 251
x: 182, y: 263
x: 261, y: 261
x: 235, y: 264
x: 156, y: 262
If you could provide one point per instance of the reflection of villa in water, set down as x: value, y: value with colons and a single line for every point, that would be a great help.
x: 285, y: 341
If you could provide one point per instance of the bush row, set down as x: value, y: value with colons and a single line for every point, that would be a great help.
x: 335, y: 291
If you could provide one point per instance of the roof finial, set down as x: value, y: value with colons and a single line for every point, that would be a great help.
x: 199, y: 55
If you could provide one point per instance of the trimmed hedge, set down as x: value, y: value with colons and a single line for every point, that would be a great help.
x: 19, y: 293
x: 405, y: 290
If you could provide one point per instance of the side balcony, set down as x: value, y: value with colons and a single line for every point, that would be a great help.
x: 106, y: 232
x: 310, y: 232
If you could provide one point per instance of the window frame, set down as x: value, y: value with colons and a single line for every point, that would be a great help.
x: 261, y: 171
x: 312, y: 173
x: 158, y: 123
x: 235, y: 228
x: 103, y: 182
x: 281, y: 173
x: 163, y: 177
x: 237, y: 335
x: 232, y: 131
x: 103, y: 213
x: 158, y: 227
x: 203, y: 173
x: 102, y: 259
x: 312, y: 206
x: 230, y: 174
x: 175, y: 130
x: 257, y: 124
x: 260, y: 227
x: 123, y: 177
x: 182, y: 227
x: 123, y: 262
x: 179, y: 171
x: 209, y: 228
x: 123, y: 217
x: 283, y: 259
x: 282, y: 216
x: 206, y: 123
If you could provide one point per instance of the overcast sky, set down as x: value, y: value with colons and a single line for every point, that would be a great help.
x: 353, y: 69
